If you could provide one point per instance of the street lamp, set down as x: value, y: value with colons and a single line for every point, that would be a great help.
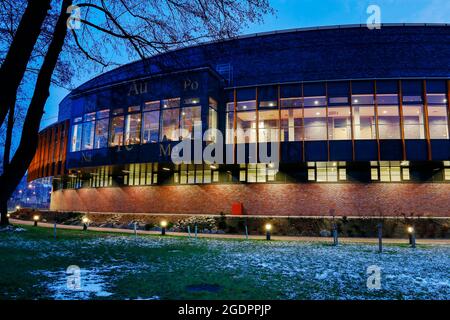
x: 268, y: 228
x: 17, y: 207
x: 85, y: 221
x: 36, y: 219
x: 8, y: 215
x: 412, y: 236
x: 163, y: 227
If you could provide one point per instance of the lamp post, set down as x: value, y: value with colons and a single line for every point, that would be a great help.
x: 8, y: 215
x: 36, y: 219
x: 163, y: 227
x: 380, y: 237
x: 268, y: 229
x: 85, y: 221
x: 412, y: 236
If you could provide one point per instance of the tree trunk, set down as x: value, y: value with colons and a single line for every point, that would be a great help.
x: 4, y: 221
x: 24, y: 154
x: 13, y: 67
x: 8, y: 138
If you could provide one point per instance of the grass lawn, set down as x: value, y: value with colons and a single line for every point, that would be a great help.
x: 113, y: 266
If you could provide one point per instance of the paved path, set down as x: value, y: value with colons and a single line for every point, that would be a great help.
x: 238, y: 236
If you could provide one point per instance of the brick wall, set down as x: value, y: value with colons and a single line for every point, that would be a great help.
x: 263, y: 199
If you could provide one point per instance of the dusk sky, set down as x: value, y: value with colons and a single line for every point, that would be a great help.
x: 309, y: 13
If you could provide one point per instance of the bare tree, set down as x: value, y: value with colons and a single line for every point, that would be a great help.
x: 51, y: 41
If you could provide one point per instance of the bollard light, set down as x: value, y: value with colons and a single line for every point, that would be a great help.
x: 412, y: 236
x: 163, y: 227
x: 268, y: 229
x: 36, y: 219
x: 85, y: 221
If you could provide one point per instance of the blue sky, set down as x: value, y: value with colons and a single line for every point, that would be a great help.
x: 308, y: 13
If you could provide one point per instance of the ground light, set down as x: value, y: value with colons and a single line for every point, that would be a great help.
x: 412, y: 236
x: 85, y: 221
x: 268, y: 228
x: 36, y: 219
x: 163, y: 227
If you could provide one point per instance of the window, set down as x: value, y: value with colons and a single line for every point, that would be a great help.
x: 390, y: 171
x: 327, y: 171
x: 141, y: 174
x: 437, y: 116
x: 212, y: 120
x: 170, y: 125
x: 101, y: 133
x: 446, y: 170
x: 190, y: 119
x: 133, y: 129
x: 246, y: 122
x: 413, y: 121
x: 363, y: 117
x: 171, y: 103
x: 88, y: 135
x: 100, y: 177
x: 315, y: 118
x: 150, y: 127
x: 151, y: 106
x: 230, y: 123
x: 339, y: 123
x: 291, y: 119
x: 388, y: 116
x: 116, y: 131
x: 76, y: 137
x: 268, y: 126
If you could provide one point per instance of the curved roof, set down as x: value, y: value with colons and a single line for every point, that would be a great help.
x: 308, y: 54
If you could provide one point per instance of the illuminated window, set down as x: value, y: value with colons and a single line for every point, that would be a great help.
x: 88, y: 135
x: 212, y: 120
x: 101, y: 133
x: 246, y: 122
x: 133, y: 129
x: 229, y: 123
x: 391, y: 171
x: 150, y: 127
x: 437, y: 116
x: 413, y: 121
x: 315, y: 118
x: 140, y: 174
x: 251, y: 172
x: 152, y: 106
x: 327, y: 171
x: 447, y: 170
x: 388, y: 116
x: 291, y: 119
x: 268, y: 126
x: 405, y: 174
x: 170, y: 125
x: 363, y: 117
x: 339, y: 123
x: 76, y: 137
x: 190, y: 119
x: 116, y: 131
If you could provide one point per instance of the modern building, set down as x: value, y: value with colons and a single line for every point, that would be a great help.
x: 361, y: 117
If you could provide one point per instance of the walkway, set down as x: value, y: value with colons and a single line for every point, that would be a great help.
x: 237, y: 236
